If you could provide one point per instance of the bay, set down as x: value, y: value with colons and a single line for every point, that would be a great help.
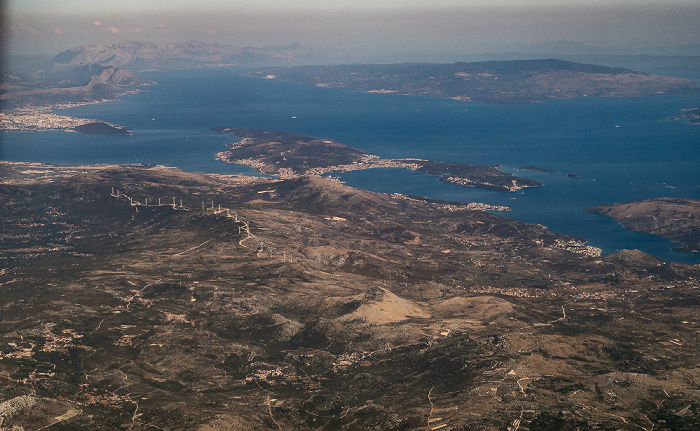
x: 621, y: 149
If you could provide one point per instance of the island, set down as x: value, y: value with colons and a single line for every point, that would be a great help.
x: 537, y: 169
x: 674, y: 218
x: 289, y: 155
x: 100, y: 128
x: 148, y: 298
x: 691, y: 115
x: 508, y: 82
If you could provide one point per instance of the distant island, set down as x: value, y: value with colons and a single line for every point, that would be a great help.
x: 537, y: 169
x: 288, y: 155
x: 508, y: 82
x: 674, y: 218
x: 691, y: 115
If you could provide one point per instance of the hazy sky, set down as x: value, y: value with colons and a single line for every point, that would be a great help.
x: 370, y: 27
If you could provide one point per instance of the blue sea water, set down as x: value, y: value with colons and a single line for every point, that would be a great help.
x: 623, y: 149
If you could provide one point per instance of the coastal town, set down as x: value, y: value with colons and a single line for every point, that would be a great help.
x: 38, y: 119
x: 43, y: 119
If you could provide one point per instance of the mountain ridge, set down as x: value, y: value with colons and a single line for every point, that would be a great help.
x: 140, y: 55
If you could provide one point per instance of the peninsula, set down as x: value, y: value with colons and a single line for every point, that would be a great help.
x: 289, y: 155
x: 674, y: 218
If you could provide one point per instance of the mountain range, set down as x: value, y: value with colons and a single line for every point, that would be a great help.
x: 139, y: 56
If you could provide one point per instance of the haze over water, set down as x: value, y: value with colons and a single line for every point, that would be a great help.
x: 622, y: 149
